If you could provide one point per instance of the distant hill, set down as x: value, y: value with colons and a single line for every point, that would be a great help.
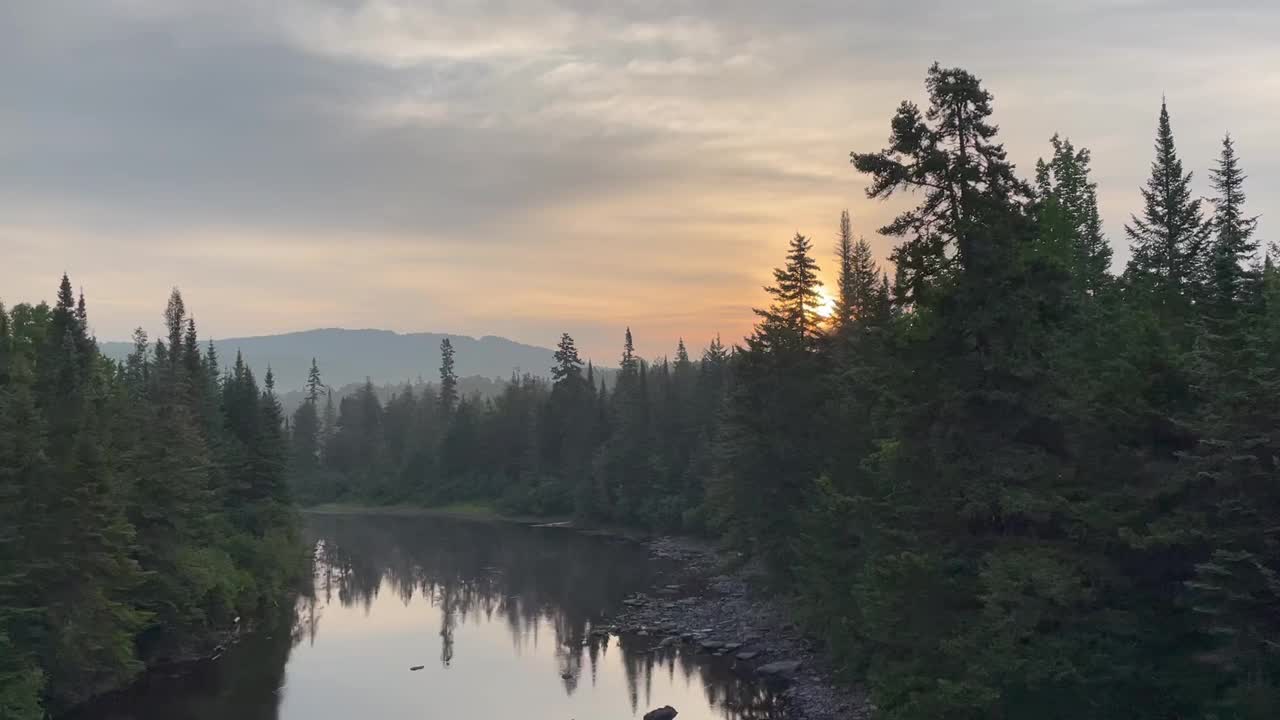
x: 349, y: 356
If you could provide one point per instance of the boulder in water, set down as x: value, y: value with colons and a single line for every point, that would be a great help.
x: 781, y: 668
x: 663, y: 713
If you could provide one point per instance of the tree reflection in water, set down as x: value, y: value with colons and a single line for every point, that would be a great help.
x: 472, y: 574
x: 472, y: 571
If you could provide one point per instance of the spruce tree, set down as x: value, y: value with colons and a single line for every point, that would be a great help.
x: 1070, y: 227
x: 682, y: 353
x: 1166, y: 242
x: 568, y: 366
x: 448, y: 378
x: 846, y: 286
x: 116, y: 547
x: 629, y: 363
x: 175, y: 315
x: 790, y: 316
x: 1232, y: 247
x: 306, y: 434
x: 963, y: 569
x: 768, y: 451
x: 857, y: 278
x: 21, y: 469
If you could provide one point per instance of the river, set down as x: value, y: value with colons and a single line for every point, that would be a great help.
x: 499, y: 616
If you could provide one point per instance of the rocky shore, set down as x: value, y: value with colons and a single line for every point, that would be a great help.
x: 705, y: 609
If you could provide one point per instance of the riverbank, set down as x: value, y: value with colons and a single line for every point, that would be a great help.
x: 706, y: 601
x: 469, y: 511
x: 709, y: 609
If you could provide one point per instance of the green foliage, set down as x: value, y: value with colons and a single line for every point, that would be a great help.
x: 1167, y: 242
x: 1051, y: 493
x: 1006, y: 485
x: 637, y: 454
x: 121, y: 545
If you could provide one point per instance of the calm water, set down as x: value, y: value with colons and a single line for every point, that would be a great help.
x: 499, y: 615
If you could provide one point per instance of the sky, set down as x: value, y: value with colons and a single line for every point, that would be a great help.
x: 528, y: 168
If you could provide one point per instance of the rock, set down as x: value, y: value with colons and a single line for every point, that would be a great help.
x: 566, y: 676
x: 415, y: 668
x: 710, y: 645
x: 669, y: 641
x: 731, y: 646
x: 663, y: 713
x: 746, y: 655
x: 781, y: 668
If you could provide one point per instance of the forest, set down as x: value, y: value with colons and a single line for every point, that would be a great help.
x: 144, y: 505
x: 997, y: 480
x: 1004, y: 482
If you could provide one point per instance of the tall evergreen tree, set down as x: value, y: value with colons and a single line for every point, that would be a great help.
x: 846, y: 286
x: 949, y: 153
x: 1070, y: 227
x: 307, y: 433
x: 768, y: 454
x: 115, y: 551
x: 857, y: 278
x: 448, y: 378
x: 790, y: 317
x: 1167, y: 240
x: 568, y: 366
x: 1233, y: 246
x: 175, y: 316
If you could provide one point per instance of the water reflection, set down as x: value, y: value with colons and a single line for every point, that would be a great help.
x: 500, y: 615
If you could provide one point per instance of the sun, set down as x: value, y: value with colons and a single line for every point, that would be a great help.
x: 826, y: 306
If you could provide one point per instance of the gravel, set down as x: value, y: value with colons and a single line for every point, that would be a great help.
x: 718, y: 612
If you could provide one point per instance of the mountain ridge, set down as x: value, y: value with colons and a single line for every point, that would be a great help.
x: 347, y: 355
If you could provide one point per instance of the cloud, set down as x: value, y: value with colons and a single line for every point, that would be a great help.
x: 508, y: 167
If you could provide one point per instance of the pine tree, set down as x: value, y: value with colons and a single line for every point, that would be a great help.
x: 950, y: 154
x: 965, y: 563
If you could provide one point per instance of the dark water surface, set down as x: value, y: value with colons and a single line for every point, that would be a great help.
x: 500, y: 616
